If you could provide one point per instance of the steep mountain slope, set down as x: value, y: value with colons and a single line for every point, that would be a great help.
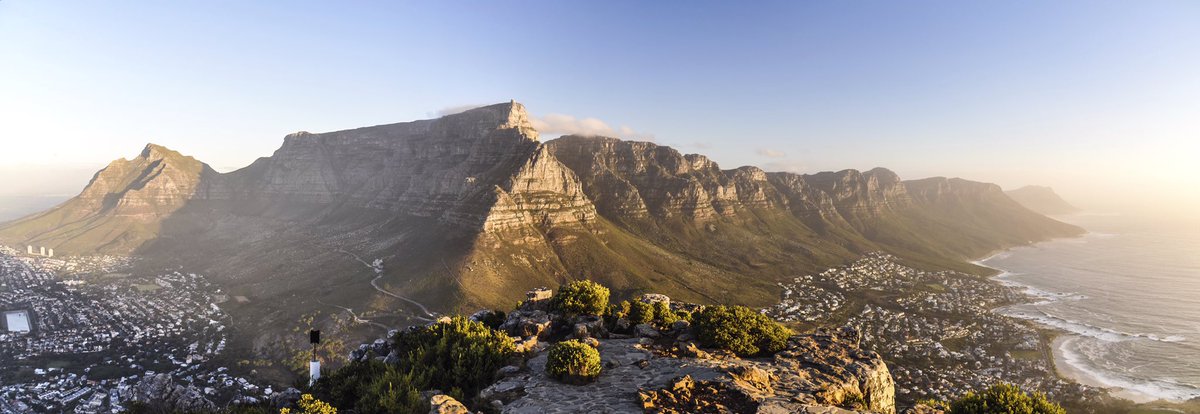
x: 1041, y: 199
x: 472, y: 210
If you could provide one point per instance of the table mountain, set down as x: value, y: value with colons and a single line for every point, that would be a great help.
x: 471, y: 210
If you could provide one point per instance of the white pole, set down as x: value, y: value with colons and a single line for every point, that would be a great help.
x: 314, y: 371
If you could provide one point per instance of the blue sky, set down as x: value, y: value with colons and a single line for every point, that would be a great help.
x: 1091, y: 97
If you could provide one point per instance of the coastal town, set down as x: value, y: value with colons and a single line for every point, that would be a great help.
x: 97, y: 337
x: 91, y: 338
x: 937, y: 330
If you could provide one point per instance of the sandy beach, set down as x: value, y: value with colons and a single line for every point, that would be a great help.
x: 1065, y: 370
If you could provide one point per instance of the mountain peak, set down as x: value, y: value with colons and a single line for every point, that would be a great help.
x: 506, y: 115
x: 156, y: 151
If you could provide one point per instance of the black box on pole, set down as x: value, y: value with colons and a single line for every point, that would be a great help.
x: 314, y: 337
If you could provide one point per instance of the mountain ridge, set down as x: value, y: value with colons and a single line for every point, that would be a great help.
x: 472, y: 209
x: 1042, y: 199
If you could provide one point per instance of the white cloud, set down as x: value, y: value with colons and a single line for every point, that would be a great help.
x: 561, y: 124
x: 771, y: 153
x: 451, y: 110
x: 784, y: 166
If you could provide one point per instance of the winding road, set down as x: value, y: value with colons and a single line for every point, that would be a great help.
x: 375, y: 284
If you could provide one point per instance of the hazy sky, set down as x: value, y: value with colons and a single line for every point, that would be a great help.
x: 1099, y: 99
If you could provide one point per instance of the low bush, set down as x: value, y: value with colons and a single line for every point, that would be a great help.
x: 739, y: 329
x: 582, y: 297
x: 663, y: 315
x: 573, y: 362
x: 1004, y: 399
x: 640, y: 312
x: 391, y: 392
x: 310, y: 405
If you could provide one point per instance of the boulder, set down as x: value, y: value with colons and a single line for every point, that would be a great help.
x: 690, y: 350
x: 589, y: 326
x: 360, y: 354
x: 508, y: 371
x: 653, y: 298
x: 521, y: 324
x: 646, y: 331
x: 681, y: 326
x: 526, y: 345
x: 380, y: 347
x: 445, y: 404
x: 285, y: 398
x: 752, y: 379
x: 392, y: 358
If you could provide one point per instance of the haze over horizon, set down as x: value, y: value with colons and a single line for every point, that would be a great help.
x: 1095, y: 99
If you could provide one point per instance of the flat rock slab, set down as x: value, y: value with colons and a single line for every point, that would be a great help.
x: 615, y: 391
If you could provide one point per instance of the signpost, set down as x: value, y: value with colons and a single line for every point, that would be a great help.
x: 314, y: 366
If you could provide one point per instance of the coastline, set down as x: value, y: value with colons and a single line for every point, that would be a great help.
x: 1061, y: 364
x: 1064, y: 369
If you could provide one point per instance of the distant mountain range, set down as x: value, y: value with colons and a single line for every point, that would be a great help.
x: 1041, y: 199
x: 471, y: 210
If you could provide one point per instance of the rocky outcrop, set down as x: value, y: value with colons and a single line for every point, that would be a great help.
x: 833, y: 377
x: 161, y: 394
x: 445, y: 404
x: 637, y: 179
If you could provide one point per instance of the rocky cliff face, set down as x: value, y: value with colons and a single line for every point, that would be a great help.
x: 483, y: 167
x: 643, y: 179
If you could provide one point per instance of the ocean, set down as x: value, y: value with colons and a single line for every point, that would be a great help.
x: 1127, y: 295
x: 14, y: 207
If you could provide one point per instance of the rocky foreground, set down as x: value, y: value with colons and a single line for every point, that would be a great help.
x: 657, y: 370
x: 816, y: 374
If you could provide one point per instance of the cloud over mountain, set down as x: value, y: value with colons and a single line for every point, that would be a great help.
x: 562, y: 124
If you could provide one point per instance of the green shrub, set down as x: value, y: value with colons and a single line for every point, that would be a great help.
x: 573, y: 362
x: 640, y: 313
x: 391, y: 392
x: 663, y: 315
x: 739, y: 329
x: 618, y: 310
x: 371, y: 387
x: 1004, y: 399
x: 582, y: 297
x: 460, y: 356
